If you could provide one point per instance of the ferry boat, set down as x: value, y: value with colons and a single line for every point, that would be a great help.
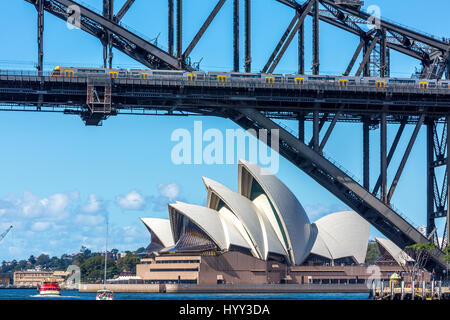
x: 49, y: 288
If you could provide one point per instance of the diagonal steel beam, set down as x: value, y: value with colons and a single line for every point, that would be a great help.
x: 203, y: 28
x: 391, y: 151
x: 379, y: 214
x: 292, y: 33
x: 355, y: 56
x: 151, y: 55
x: 405, y: 158
x: 350, y: 28
x: 367, y: 56
x: 329, y: 131
x: 280, y: 43
x: 127, y: 5
x: 390, y: 26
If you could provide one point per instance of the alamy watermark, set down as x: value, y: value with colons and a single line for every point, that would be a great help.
x: 212, y: 146
x: 73, y: 17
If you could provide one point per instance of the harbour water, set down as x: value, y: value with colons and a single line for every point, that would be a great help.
x: 31, y: 294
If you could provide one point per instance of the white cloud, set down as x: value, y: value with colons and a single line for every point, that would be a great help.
x: 93, y: 205
x: 41, y: 226
x: 131, y: 201
x: 170, y: 191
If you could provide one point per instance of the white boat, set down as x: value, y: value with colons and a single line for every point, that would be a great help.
x: 105, y: 294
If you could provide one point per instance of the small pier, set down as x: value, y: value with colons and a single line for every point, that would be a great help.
x: 434, y: 290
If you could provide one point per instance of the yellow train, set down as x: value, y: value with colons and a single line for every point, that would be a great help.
x: 269, y: 79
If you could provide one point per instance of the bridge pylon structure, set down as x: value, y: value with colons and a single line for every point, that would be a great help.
x: 263, y: 106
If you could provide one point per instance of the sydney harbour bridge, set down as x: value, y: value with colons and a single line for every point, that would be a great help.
x: 261, y: 105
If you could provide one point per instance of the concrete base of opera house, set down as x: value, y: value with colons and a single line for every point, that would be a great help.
x: 229, y: 288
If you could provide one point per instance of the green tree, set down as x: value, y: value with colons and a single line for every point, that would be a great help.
x: 128, y: 263
x: 420, y: 253
x: 92, y: 270
x: 447, y: 254
x: 43, y: 260
x: 373, y: 253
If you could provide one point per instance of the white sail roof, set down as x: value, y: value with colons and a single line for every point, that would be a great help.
x: 342, y: 234
x: 249, y: 219
x: 289, y: 216
x: 400, y: 256
x: 160, y: 228
x: 213, y: 223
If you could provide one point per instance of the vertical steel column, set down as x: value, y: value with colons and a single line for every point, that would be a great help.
x: 430, y: 176
x: 366, y: 70
x: 448, y: 181
x: 316, y: 130
x: 108, y: 13
x: 448, y: 73
x: 383, y: 158
x: 236, y: 35
x: 366, y: 153
x: 248, y: 36
x: 105, y: 40
x: 388, y: 63
x: 383, y: 53
x: 179, y: 28
x: 301, y: 49
x: 110, y: 44
x: 40, y: 35
x: 301, y: 127
x: 315, y: 67
x: 170, y: 25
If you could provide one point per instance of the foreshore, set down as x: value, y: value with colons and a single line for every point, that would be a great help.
x: 223, y: 288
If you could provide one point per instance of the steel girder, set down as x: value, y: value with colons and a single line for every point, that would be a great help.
x: 377, y: 213
x: 122, y: 39
x: 430, y: 51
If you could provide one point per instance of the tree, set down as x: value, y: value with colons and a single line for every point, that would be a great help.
x: 128, y: 263
x: 43, y: 260
x: 92, y: 270
x: 447, y: 254
x: 373, y: 253
x: 32, y: 260
x: 420, y: 253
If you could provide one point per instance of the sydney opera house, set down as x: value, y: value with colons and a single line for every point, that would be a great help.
x: 260, y: 234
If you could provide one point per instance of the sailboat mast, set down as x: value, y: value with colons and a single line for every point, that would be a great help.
x: 106, y: 254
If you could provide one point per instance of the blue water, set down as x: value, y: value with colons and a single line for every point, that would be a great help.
x: 31, y: 294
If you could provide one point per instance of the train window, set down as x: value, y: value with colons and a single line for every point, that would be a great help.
x: 432, y: 85
x: 402, y: 81
x: 445, y: 85
x: 352, y: 82
x: 56, y: 72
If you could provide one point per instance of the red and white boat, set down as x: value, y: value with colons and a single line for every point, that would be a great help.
x: 49, y: 288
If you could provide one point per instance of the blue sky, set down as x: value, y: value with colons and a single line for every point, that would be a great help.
x: 59, y: 178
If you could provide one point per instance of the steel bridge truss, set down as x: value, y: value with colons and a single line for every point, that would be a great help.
x: 375, y: 43
x: 381, y: 37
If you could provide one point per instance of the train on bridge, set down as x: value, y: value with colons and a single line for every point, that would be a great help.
x: 224, y: 77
